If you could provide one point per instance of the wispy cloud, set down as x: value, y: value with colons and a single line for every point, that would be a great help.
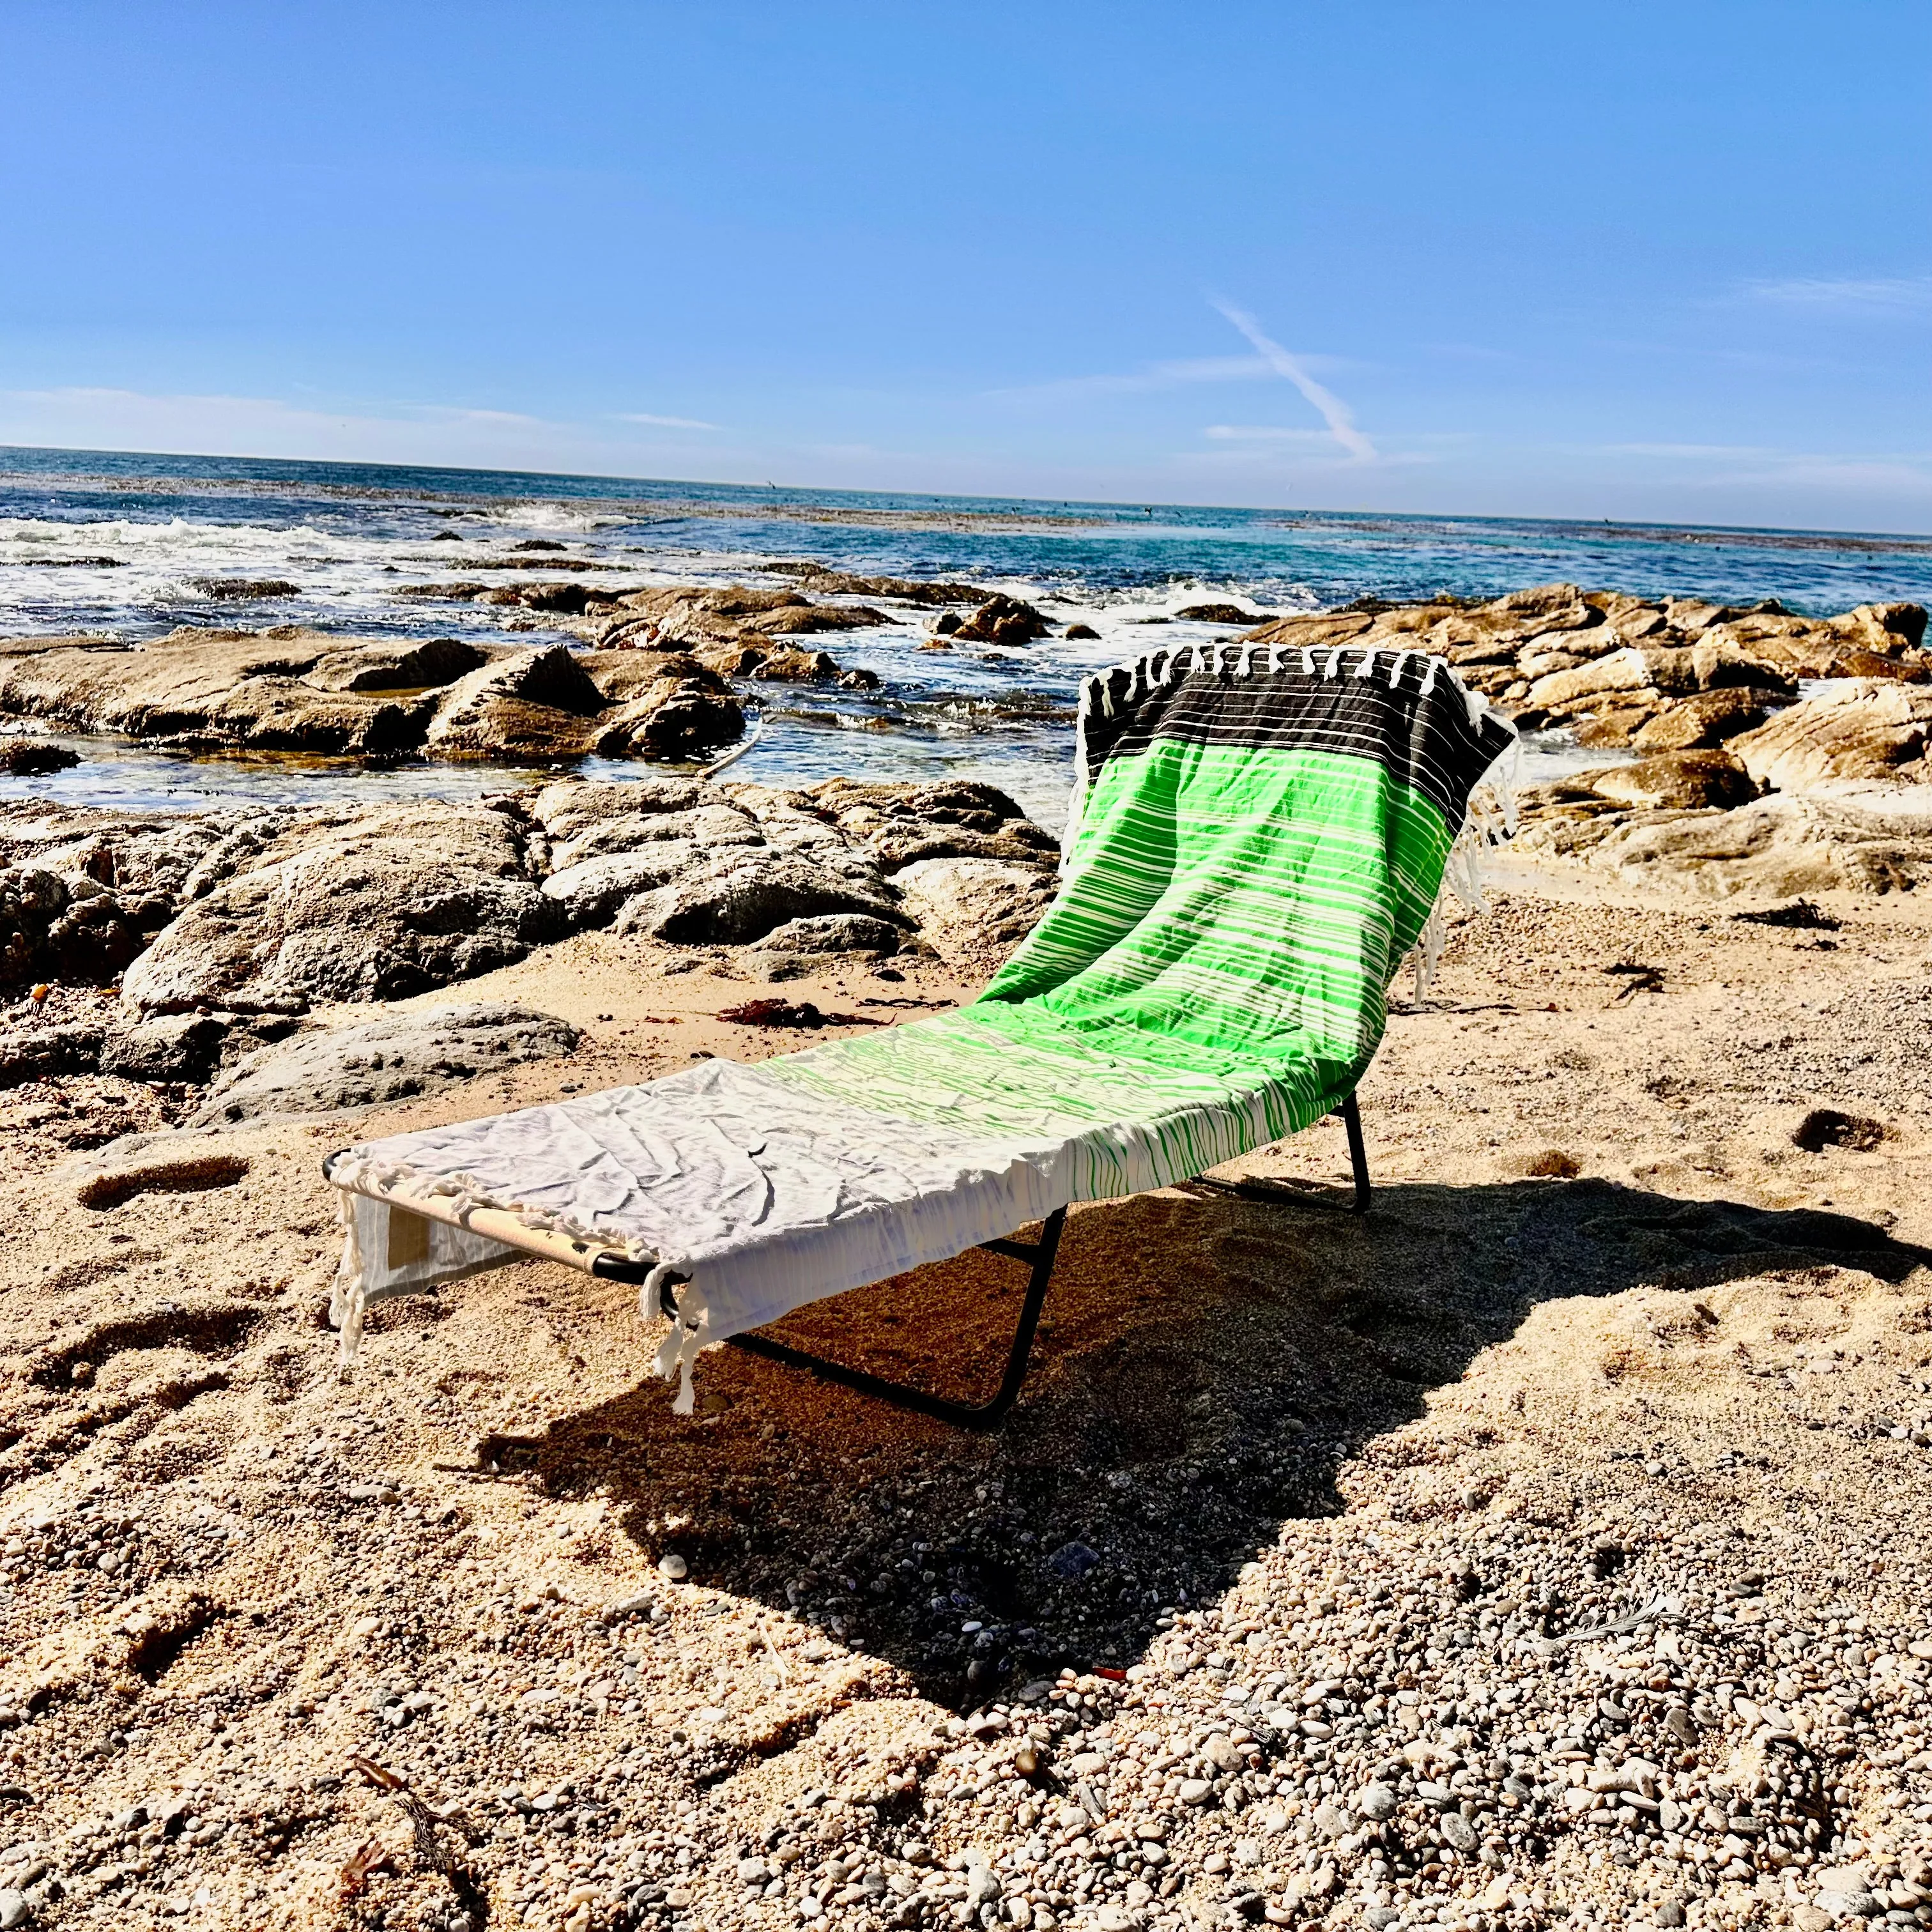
x: 1336, y: 413
x: 664, y: 422
x: 1879, y: 294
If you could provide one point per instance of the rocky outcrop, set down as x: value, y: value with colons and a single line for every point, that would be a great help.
x: 231, y: 923
x: 1007, y: 621
x: 34, y: 757
x: 1855, y: 839
x: 1861, y: 732
x: 1610, y: 667
x: 380, y: 1062
x: 972, y: 911
x: 695, y: 617
x: 293, y: 690
x: 338, y: 905
x: 925, y: 593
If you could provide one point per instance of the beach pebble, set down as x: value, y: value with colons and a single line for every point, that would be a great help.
x: 14, y: 1910
x: 1375, y: 1801
x: 674, y: 1566
x: 1196, y: 1791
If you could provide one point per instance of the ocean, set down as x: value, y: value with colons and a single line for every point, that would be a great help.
x: 126, y: 545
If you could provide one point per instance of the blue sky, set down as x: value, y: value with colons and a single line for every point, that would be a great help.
x: 1626, y: 260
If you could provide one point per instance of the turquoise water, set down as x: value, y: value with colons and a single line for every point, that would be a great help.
x: 348, y: 536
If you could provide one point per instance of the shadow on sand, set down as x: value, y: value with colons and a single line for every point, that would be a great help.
x: 1205, y: 1366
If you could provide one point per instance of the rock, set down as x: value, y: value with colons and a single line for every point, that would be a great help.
x: 1866, y: 730
x: 186, y: 1047
x: 1082, y: 633
x: 899, y: 825
x: 1864, y: 839
x: 212, y: 688
x: 34, y: 757
x: 14, y: 1910
x: 244, y: 589
x: 1376, y: 1802
x: 396, y: 1057
x: 32, y: 1050
x: 697, y: 616
x: 67, y: 929
x: 830, y: 583
x: 1196, y: 1791
x: 740, y: 898
x: 1457, y: 1830
x: 1705, y: 718
x: 1071, y: 1561
x: 539, y: 703
x: 594, y: 891
x: 796, y: 667
x: 1005, y: 621
x: 1887, y: 625
x: 836, y: 932
x: 572, y: 806
x: 1217, y: 613
x: 341, y: 905
x: 292, y: 690
x: 1332, y: 1819
x: 1625, y: 670
x: 674, y: 1567
x: 1678, y: 779
x: 383, y: 666
x: 966, y: 908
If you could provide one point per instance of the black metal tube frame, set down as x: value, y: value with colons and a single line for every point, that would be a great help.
x: 1040, y: 1255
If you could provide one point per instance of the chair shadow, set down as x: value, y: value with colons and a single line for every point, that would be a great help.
x: 1205, y: 1366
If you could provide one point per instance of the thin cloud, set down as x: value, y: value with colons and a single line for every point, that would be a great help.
x: 666, y: 422
x: 1895, y: 294
x: 1336, y: 413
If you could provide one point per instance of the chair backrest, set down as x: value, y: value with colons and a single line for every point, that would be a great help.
x: 1259, y: 837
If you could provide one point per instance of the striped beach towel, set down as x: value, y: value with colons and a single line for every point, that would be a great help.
x: 1258, y: 838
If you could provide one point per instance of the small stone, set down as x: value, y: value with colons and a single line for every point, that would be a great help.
x: 1332, y: 1819
x: 1071, y: 1561
x: 1457, y: 1830
x: 1671, y: 1913
x: 674, y: 1566
x: 1375, y: 1801
x: 1196, y: 1791
x: 14, y: 1910
x: 1806, y: 1918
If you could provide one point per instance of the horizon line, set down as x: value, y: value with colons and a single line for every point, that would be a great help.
x: 1014, y: 498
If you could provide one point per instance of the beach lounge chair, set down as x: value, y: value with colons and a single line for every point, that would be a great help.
x: 1258, y: 838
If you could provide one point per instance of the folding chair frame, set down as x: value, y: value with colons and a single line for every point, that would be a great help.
x: 1040, y: 1255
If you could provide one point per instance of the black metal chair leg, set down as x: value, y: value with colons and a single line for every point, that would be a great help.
x: 1275, y: 1194
x: 962, y: 1414
x: 1358, y: 1153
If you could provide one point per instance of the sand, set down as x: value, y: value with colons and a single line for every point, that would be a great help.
x: 1603, y: 1297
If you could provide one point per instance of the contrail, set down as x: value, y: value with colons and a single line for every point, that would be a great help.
x: 1335, y: 412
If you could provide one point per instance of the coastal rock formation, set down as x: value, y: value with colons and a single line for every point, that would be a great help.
x: 1864, y: 730
x: 293, y: 690
x: 337, y: 905
x: 1610, y: 668
x: 695, y: 617
x: 1005, y: 621
x: 378, y: 1062
x: 1870, y: 838
x: 226, y: 925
